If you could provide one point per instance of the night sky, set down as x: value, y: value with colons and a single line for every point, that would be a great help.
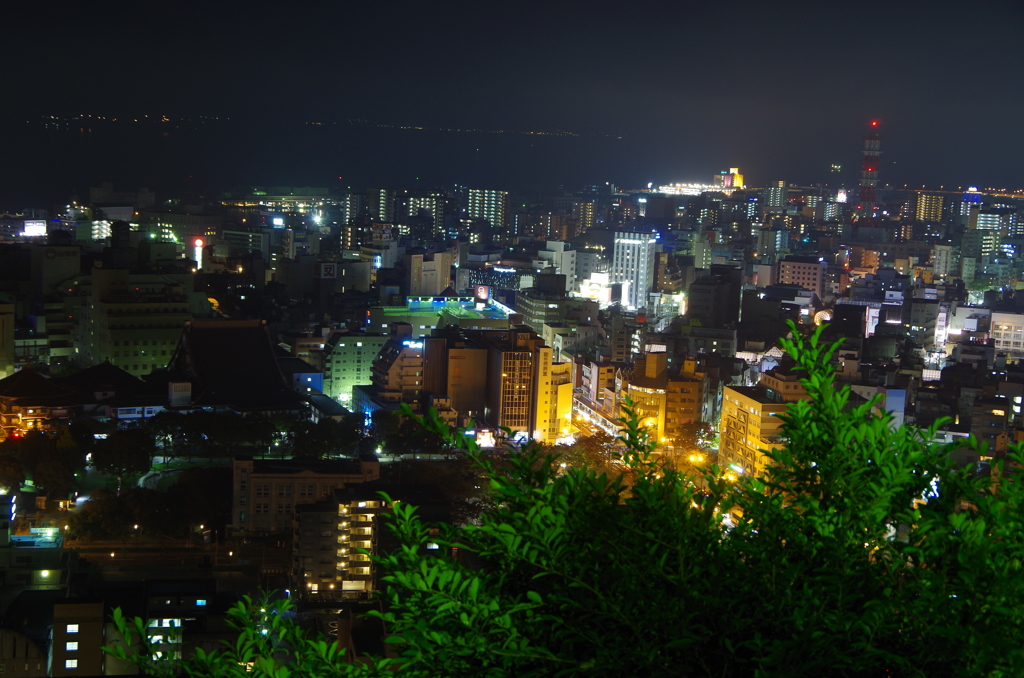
x: 653, y: 92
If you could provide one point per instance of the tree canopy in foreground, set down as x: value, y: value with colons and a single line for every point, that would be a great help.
x: 864, y: 551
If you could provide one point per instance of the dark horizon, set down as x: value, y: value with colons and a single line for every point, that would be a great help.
x: 206, y: 157
x: 662, y: 93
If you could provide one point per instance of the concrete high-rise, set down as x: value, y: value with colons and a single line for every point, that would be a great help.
x: 774, y: 196
x: 429, y: 274
x: 928, y: 207
x: 633, y: 266
x: 489, y: 205
x: 944, y: 260
x: 431, y: 206
x: 807, y: 272
x: 523, y: 384
x: 134, y: 320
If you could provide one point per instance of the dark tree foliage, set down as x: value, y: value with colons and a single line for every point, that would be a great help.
x: 124, y: 452
x: 863, y: 551
x: 68, y: 449
x: 323, y: 439
x: 398, y: 434
x: 200, y: 496
x: 462, y: 481
x: 12, y: 473
x: 52, y: 472
x: 104, y: 516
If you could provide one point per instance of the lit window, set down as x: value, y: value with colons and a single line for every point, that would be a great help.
x: 71, y: 628
x: 200, y: 603
x: 71, y: 646
x: 71, y: 663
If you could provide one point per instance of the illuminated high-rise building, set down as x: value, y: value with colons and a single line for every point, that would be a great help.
x: 348, y: 359
x: 520, y: 389
x: 750, y: 422
x: 994, y: 219
x: 633, y: 266
x: 730, y: 180
x: 774, y: 196
x: 586, y: 214
x: 135, y: 320
x: 928, y: 207
x: 663, y: 399
x: 965, y: 211
x: 382, y: 204
x: 489, y: 205
x: 557, y: 226
x: 807, y: 272
x: 431, y: 206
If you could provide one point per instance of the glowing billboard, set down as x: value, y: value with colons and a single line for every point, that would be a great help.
x: 34, y: 229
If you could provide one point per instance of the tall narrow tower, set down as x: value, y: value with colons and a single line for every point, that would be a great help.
x: 869, y: 172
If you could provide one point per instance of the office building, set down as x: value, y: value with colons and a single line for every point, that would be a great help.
x: 633, y: 266
x: 944, y: 260
x: 396, y: 374
x: 665, y: 400
x: 446, y: 370
x: 520, y: 383
x: 750, y: 420
x: 348, y: 359
x: 1008, y: 333
x: 979, y: 244
x: 807, y: 272
x: 772, y: 242
x: 557, y: 226
x: 134, y: 320
x: 430, y: 274
x: 266, y: 492
x: 564, y: 260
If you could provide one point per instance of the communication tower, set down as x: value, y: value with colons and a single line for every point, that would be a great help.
x: 869, y: 172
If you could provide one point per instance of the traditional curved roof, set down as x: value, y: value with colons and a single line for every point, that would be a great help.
x: 27, y: 387
x: 231, y: 363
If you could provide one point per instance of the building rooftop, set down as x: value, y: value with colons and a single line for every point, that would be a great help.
x: 459, y: 307
x: 231, y: 363
x: 325, y: 467
x: 105, y: 377
x: 756, y: 393
x: 29, y: 387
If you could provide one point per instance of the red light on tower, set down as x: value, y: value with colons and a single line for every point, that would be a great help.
x: 869, y: 170
x: 199, y: 242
